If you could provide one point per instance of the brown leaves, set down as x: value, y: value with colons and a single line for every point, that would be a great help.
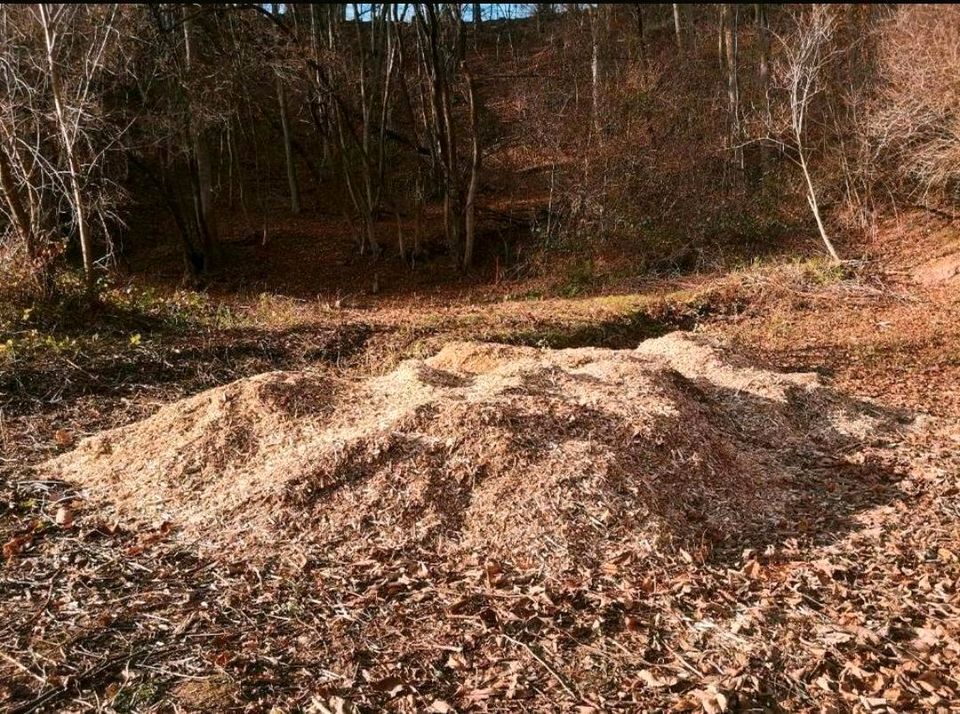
x: 752, y: 569
x: 392, y: 686
x: 849, y: 603
x: 708, y: 700
x: 655, y: 681
x: 333, y: 705
x: 13, y: 547
x: 150, y: 538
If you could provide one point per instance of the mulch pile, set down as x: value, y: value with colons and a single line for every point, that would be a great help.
x: 555, y: 462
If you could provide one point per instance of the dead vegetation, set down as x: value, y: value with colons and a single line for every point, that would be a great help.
x: 793, y: 549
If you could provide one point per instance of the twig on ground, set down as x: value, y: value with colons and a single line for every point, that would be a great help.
x: 568, y: 688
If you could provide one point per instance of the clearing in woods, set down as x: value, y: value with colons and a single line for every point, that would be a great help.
x: 479, y: 358
x: 438, y: 524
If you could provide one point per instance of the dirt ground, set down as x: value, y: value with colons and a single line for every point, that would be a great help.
x: 779, y: 567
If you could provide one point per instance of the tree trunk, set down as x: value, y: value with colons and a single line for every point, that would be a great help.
x: 11, y: 195
x: 733, y: 89
x: 441, y: 127
x: 73, y: 166
x: 206, y: 212
x: 595, y: 68
x: 814, y: 206
x: 469, y: 208
x: 641, y: 37
x: 763, y: 36
x: 400, y: 244
x: 192, y: 259
x: 676, y: 26
x: 288, y: 150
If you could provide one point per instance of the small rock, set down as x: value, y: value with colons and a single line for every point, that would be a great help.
x: 64, y: 517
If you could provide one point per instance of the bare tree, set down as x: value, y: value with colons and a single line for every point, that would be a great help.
x: 805, y: 54
x: 10, y: 190
x: 69, y: 117
x: 288, y: 149
x: 204, y: 201
x: 470, y: 203
x: 437, y: 52
x: 912, y: 126
x: 728, y: 15
x: 641, y: 34
x: 595, y: 67
x: 292, y: 182
x: 763, y: 40
x: 676, y: 26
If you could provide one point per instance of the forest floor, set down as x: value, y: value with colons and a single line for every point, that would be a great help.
x: 852, y: 606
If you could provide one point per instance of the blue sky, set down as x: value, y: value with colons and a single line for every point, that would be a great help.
x: 489, y: 11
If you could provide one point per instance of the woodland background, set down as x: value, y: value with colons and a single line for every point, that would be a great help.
x: 664, y: 137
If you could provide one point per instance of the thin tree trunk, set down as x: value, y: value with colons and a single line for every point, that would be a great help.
x: 676, y: 26
x: 475, y: 158
x: 814, y: 206
x: 400, y: 244
x: 763, y: 32
x: 79, y: 209
x: 418, y: 228
x: 595, y: 69
x: 206, y: 209
x: 733, y: 88
x: 288, y: 150
x: 192, y: 260
x: 319, y: 108
x: 11, y: 194
x: 641, y: 37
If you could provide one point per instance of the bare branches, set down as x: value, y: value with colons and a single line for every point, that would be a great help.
x: 913, y: 127
x: 52, y: 63
x: 804, y: 54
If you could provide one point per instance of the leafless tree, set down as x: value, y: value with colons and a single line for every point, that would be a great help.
x: 913, y: 122
x: 728, y: 34
x: 676, y: 27
x: 53, y: 61
x: 805, y: 52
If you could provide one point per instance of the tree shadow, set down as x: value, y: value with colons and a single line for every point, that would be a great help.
x: 720, y: 471
x: 733, y: 470
x: 808, y: 467
x: 621, y: 332
x: 181, y: 359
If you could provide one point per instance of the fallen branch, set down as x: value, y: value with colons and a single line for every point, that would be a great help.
x: 568, y: 688
x: 22, y: 667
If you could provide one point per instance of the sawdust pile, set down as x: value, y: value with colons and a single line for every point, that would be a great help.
x: 559, y: 461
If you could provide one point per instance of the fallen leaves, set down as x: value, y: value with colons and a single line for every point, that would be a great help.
x: 858, y: 612
x: 13, y: 547
x: 654, y: 681
x: 147, y: 539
